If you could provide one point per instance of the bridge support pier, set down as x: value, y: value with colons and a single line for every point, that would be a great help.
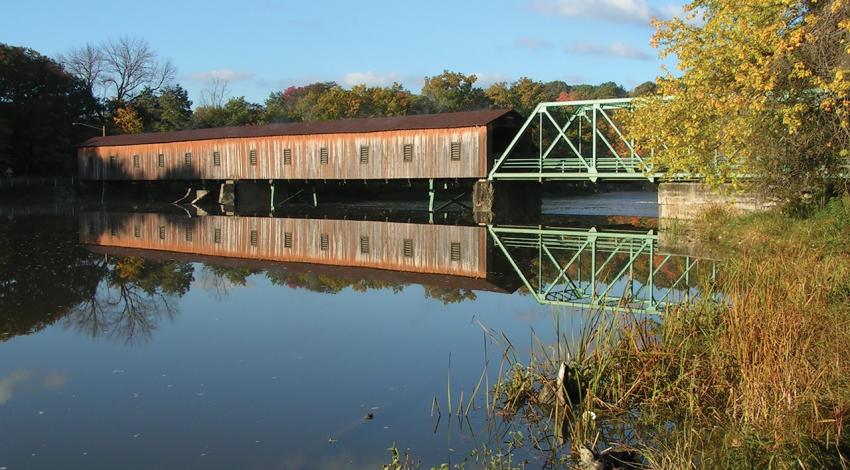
x: 227, y: 193
x: 689, y: 200
x: 510, y: 200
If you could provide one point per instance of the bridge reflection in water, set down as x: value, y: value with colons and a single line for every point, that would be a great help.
x: 579, y: 268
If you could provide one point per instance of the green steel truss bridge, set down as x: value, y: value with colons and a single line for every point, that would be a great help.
x: 601, y: 270
x: 573, y: 141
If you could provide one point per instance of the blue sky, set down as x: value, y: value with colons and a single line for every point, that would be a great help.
x: 262, y: 46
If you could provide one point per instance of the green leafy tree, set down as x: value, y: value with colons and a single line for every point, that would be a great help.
x: 453, y: 91
x: 38, y: 103
x: 295, y: 103
x: 175, y: 109
x: 522, y: 95
x: 645, y: 89
x: 236, y: 112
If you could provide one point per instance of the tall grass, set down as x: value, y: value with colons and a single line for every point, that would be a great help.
x: 759, y: 380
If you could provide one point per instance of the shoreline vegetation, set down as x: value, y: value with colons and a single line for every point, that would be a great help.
x: 759, y: 379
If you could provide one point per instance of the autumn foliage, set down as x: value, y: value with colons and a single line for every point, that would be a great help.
x: 763, y: 92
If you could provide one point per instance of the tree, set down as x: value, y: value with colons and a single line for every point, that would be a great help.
x: 236, y: 112
x: 175, y: 109
x: 295, y: 103
x: 38, y: 103
x: 596, y: 92
x: 119, y: 70
x: 168, y: 110
x: 644, y: 89
x: 522, y: 95
x: 453, y: 91
x: 214, y: 94
x: 127, y: 121
x: 763, y: 92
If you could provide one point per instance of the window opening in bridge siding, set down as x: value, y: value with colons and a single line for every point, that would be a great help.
x: 253, y: 238
x: 135, y: 161
x: 287, y: 156
x: 92, y: 229
x: 161, y: 160
x: 112, y: 160
x: 112, y: 230
x: 162, y: 232
x: 323, y: 241
x: 252, y: 157
x: 217, y: 235
x: 364, y: 154
x: 364, y: 245
x: 137, y: 231
x: 287, y: 239
x: 216, y: 158
x: 408, y: 248
x: 323, y: 156
x: 407, y: 152
x: 455, y: 251
x: 187, y: 158
x: 455, y: 150
x: 188, y: 233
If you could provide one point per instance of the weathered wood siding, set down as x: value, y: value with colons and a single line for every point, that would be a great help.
x: 431, y: 244
x: 431, y: 157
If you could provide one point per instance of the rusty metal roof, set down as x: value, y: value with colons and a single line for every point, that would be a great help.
x: 344, y: 126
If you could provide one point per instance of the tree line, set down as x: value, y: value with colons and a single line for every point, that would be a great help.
x: 123, y: 86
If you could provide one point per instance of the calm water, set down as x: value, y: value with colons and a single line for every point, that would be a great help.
x: 113, y: 355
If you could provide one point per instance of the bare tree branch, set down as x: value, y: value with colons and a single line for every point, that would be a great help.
x: 214, y: 94
x: 119, y: 69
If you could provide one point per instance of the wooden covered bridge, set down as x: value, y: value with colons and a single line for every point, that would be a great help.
x: 430, y: 148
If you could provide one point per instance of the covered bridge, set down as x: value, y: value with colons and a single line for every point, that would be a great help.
x: 459, y: 145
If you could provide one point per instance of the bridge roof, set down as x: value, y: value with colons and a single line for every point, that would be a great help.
x: 344, y: 126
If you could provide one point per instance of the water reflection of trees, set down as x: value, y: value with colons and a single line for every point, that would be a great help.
x: 47, y: 278
x: 219, y: 280
x: 132, y: 299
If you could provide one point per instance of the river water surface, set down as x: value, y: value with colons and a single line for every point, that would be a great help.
x: 138, y: 338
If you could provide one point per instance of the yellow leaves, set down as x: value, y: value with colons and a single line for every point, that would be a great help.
x: 127, y: 121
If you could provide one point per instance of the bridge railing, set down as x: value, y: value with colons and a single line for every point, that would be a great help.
x: 573, y: 140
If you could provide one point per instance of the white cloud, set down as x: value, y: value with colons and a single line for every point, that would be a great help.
x: 10, y: 382
x: 618, y: 11
x: 533, y: 44
x: 614, y: 49
x: 229, y: 75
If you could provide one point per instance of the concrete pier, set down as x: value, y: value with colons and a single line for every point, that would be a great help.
x: 689, y: 200
x: 517, y: 199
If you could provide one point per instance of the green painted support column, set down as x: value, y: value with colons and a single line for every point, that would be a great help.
x: 271, y: 198
x: 430, y: 195
x: 315, y: 199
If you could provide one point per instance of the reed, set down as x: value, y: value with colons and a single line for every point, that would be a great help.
x: 758, y: 379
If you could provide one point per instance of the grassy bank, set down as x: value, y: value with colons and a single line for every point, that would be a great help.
x: 761, y: 379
